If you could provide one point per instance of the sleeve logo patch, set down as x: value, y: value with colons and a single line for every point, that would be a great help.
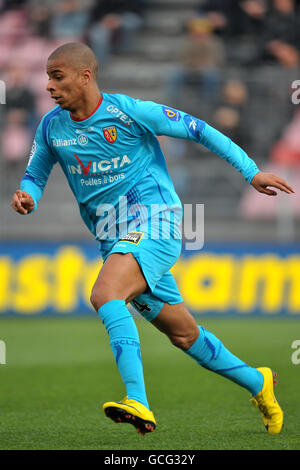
x: 171, y: 114
x: 132, y: 237
x: 194, y: 125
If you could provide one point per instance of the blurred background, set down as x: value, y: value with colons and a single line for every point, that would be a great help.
x: 232, y: 63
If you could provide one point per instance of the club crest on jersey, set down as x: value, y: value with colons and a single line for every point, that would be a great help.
x: 110, y: 134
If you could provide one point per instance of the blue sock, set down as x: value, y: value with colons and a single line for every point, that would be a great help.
x: 125, y: 344
x: 210, y: 353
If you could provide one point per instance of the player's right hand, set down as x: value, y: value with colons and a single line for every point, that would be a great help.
x: 22, y: 202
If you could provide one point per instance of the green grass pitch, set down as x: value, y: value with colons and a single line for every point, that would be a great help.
x: 59, y: 371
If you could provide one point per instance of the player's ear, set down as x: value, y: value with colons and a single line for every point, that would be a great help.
x: 87, y: 76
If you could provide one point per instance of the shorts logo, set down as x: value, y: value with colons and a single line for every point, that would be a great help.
x: 132, y: 237
x: 110, y: 134
x: 172, y: 114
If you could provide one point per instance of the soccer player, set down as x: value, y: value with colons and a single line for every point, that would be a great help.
x: 107, y: 147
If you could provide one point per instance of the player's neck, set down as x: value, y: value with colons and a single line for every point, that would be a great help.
x: 87, y: 107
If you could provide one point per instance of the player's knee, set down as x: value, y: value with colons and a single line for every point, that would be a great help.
x: 95, y: 299
x: 101, y: 294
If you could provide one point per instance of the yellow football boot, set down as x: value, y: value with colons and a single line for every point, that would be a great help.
x: 131, y: 411
x: 265, y: 400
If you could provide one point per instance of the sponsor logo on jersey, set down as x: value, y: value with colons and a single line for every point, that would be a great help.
x: 194, y: 125
x: 82, y: 139
x: 110, y: 134
x: 85, y: 169
x: 64, y: 142
x: 118, y: 114
x: 93, y: 167
x: 171, y: 114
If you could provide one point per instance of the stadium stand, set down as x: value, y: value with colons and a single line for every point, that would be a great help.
x: 251, y: 102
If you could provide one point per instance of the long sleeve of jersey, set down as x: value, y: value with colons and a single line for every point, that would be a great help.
x: 100, y: 166
x: 162, y: 120
x: 39, y: 167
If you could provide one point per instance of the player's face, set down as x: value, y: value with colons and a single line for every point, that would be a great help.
x: 65, y: 85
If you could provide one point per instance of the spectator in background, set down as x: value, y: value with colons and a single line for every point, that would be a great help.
x: 280, y: 41
x: 19, y: 120
x: 233, y: 18
x: 239, y: 23
x: 114, y: 24
x: 230, y: 116
x: 252, y: 16
x: 11, y: 4
x: 40, y: 14
x: 200, y: 60
x: 218, y: 12
x: 70, y: 19
x: 20, y: 97
x: 14, y: 28
x: 16, y: 138
x: 15, y: 143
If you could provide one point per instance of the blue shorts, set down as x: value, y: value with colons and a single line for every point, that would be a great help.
x: 155, y: 258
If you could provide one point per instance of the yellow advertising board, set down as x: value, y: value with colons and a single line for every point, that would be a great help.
x: 58, y: 279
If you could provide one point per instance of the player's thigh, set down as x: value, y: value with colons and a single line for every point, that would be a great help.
x: 120, y: 278
x: 178, y: 324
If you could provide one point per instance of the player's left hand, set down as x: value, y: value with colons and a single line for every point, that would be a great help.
x: 22, y: 202
x: 261, y: 182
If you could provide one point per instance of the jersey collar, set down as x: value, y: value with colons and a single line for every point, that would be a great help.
x: 83, y: 119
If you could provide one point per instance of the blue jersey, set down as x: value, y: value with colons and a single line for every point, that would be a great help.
x: 115, y: 153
